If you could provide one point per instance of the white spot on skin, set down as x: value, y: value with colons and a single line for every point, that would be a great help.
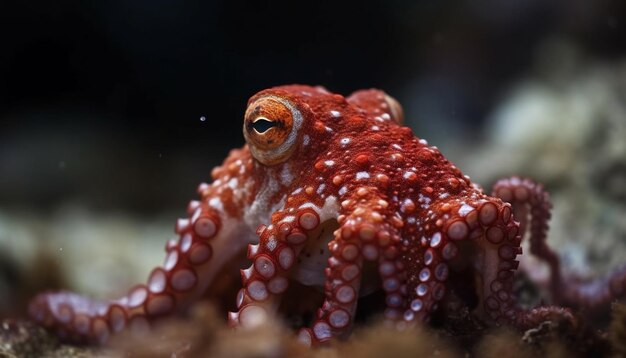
x: 465, y: 209
x: 306, y: 139
x: 375, y: 128
x: 329, y: 163
x: 343, y: 190
x: 385, y: 116
x: 335, y: 114
x: 344, y: 141
x: 321, y: 188
x: 233, y: 183
x: 423, y: 142
x: 297, y: 191
x: 217, y: 204
x: 396, y: 146
x: 424, y: 200
x: 407, y: 175
x: 362, y: 175
x: 330, y: 209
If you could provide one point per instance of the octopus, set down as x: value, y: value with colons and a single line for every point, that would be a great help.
x: 332, y: 192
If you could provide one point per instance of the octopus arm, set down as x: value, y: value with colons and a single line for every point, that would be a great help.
x: 363, y: 235
x: 207, y: 239
x: 531, y: 206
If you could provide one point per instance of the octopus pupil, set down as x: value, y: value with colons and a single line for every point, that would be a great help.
x: 263, y: 125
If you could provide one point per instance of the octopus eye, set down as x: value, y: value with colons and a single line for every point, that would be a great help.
x: 262, y: 125
x: 270, y: 128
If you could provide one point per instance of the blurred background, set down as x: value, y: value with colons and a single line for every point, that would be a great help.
x: 102, y: 142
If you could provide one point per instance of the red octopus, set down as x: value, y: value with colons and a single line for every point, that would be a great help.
x: 324, y: 185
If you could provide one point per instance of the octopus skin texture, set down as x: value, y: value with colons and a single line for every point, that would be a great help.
x: 324, y: 187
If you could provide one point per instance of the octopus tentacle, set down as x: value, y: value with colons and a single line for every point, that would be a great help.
x: 501, y: 243
x: 188, y: 268
x: 486, y: 225
x: 531, y: 201
x: 343, y: 279
x: 361, y: 236
x: 500, y: 240
x: 272, y: 260
x: 393, y: 276
x: 424, y: 290
x: 168, y: 287
x: 203, y: 246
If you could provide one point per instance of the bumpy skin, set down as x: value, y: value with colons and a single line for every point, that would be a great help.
x: 325, y: 184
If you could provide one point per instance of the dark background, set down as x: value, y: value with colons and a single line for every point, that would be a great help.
x: 100, y: 102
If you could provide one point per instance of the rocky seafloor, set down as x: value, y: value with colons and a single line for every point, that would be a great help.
x: 203, y: 334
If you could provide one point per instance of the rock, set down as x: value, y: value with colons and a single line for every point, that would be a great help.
x: 25, y: 339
